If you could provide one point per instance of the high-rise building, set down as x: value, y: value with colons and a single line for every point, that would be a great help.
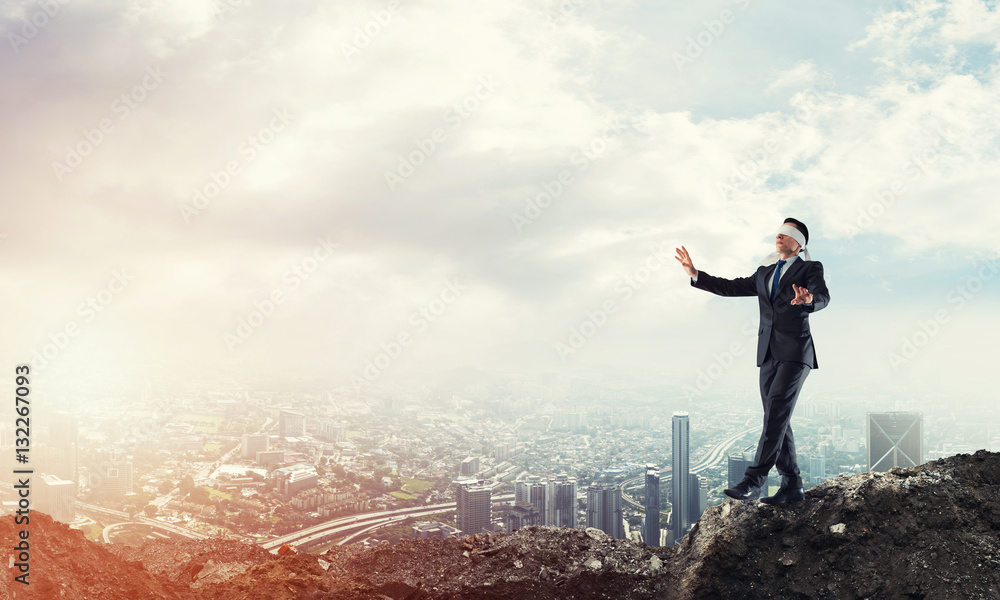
x: 604, y: 509
x: 817, y: 469
x: 895, y: 439
x: 111, y: 473
x: 575, y: 421
x: 57, y: 498
x: 651, y: 524
x: 504, y: 448
x: 738, y: 463
x: 560, y: 500
x: 254, y: 443
x: 63, y: 448
x: 532, y: 491
x: 469, y: 467
x: 291, y: 424
x: 332, y: 432
x: 680, y: 500
x: 473, y: 505
x: 697, y: 497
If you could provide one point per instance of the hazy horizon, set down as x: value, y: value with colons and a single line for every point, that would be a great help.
x: 368, y: 193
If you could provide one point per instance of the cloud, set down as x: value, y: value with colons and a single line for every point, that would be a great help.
x: 528, y: 156
x: 802, y: 76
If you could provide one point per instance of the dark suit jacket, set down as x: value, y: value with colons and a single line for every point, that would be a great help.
x: 783, y: 327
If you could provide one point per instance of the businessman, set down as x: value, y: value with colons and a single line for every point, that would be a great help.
x: 789, y: 287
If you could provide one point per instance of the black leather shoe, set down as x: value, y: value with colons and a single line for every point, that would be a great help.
x: 784, y: 495
x: 743, y: 490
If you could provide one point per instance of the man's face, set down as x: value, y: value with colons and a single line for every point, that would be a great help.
x: 785, y: 244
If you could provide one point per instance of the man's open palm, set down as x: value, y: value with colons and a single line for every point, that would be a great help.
x: 685, y: 259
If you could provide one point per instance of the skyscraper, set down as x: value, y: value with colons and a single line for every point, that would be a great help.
x: 57, y: 498
x: 111, y: 473
x: 291, y: 424
x: 63, y: 448
x: 817, y: 468
x: 473, y: 505
x: 697, y: 496
x: 895, y: 439
x: 469, y: 466
x: 680, y: 500
x: 532, y: 491
x: 561, y: 501
x: 332, y: 432
x: 651, y: 525
x: 604, y: 509
x: 738, y: 463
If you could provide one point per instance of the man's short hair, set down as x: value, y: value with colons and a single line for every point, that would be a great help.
x: 800, y: 226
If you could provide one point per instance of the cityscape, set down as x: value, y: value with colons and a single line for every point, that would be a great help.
x: 531, y: 291
x: 313, y: 469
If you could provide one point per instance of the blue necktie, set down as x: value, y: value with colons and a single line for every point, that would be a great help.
x: 777, y: 275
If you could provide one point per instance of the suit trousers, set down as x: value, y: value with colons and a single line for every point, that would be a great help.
x: 780, y: 383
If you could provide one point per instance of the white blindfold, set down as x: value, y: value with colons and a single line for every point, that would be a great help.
x: 796, y: 235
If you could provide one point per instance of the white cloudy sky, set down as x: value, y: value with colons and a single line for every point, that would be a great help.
x: 833, y: 101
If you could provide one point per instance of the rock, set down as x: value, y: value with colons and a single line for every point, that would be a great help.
x: 946, y: 518
x: 655, y: 564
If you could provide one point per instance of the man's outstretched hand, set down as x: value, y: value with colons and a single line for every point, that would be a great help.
x: 685, y: 259
x: 802, y: 295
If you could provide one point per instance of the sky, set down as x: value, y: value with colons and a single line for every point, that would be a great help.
x: 366, y: 192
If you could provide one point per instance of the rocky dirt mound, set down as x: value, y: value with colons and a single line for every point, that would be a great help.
x: 195, y: 563
x: 927, y: 532
x: 535, y: 562
x: 65, y: 565
x: 931, y: 531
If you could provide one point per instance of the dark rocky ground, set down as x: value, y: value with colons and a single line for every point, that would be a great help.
x: 928, y: 532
